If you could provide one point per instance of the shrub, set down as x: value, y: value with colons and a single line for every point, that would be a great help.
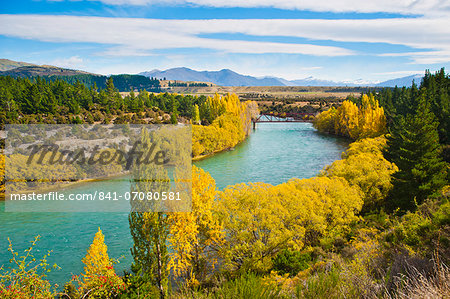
x: 291, y: 262
x: 26, y: 277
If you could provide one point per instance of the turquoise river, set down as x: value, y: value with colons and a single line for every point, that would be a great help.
x: 274, y: 153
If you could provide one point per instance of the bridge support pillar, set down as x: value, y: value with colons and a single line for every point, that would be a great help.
x: 254, y: 125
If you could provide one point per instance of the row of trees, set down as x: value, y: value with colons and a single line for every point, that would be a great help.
x: 47, y: 101
x: 230, y: 123
x: 123, y: 83
x: 417, y: 140
x: 352, y: 120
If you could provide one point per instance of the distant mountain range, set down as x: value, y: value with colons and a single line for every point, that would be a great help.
x: 228, y: 77
x: 403, y: 81
x: 223, y: 77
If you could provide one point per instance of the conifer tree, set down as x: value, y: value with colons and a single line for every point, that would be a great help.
x: 110, y: 89
x: 148, y: 225
x: 413, y: 145
x: 437, y: 87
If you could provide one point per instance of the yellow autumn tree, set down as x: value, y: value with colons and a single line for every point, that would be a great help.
x: 217, y: 105
x: 372, y: 120
x: 322, y: 206
x: 364, y: 166
x: 260, y: 220
x: 325, y: 121
x: 349, y: 120
x: 346, y: 122
x: 196, y: 115
x: 192, y: 234
x: 99, y: 279
x: 255, y: 226
x: 231, y: 123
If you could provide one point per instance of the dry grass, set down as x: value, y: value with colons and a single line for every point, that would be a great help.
x: 418, y: 285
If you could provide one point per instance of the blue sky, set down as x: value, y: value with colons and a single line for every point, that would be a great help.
x: 343, y: 40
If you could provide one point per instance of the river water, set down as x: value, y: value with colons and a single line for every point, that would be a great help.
x: 274, y: 153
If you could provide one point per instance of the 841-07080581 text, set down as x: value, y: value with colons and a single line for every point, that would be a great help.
x: 97, y: 195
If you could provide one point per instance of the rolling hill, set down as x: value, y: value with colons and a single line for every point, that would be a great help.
x: 121, y: 82
x: 44, y: 70
x: 6, y: 64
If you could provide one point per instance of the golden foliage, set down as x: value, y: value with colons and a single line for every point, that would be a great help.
x: 191, y: 234
x: 26, y: 276
x: 260, y: 219
x: 99, y: 278
x: 352, y: 121
x: 28, y: 175
x: 96, y: 260
x: 232, y: 122
x: 364, y: 167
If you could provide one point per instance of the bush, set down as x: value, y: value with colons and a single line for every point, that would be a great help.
x: 26, y: 276
x: 245, y: 286
x: 291, y: 262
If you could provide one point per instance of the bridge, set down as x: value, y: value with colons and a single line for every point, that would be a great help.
x: 275, y: 117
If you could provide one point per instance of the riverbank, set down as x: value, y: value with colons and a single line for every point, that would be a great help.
x: 201, y: 157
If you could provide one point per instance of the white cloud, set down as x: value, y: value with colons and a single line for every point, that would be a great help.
x: 138, y: 37
x: 74, y: 62
x: 399, y: 6
x: 431, y: 57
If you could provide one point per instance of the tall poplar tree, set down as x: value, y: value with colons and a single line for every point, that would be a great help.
x: 148, y: 225
x: 196, y: 116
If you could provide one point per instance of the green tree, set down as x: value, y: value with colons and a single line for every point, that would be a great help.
x: 437, y: 87
x: 413, y: 145
x: 173, y: 117
x: 110, y: 89
x: 196, y: 116
x: 149, y: 231
x: 148, y: 225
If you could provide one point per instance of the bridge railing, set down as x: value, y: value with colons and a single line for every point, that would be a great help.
x: 284, y: 117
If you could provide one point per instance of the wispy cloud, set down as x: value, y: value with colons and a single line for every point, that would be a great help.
x: 430, y: 57
x: 419, y: 7
x: 139, y: 37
